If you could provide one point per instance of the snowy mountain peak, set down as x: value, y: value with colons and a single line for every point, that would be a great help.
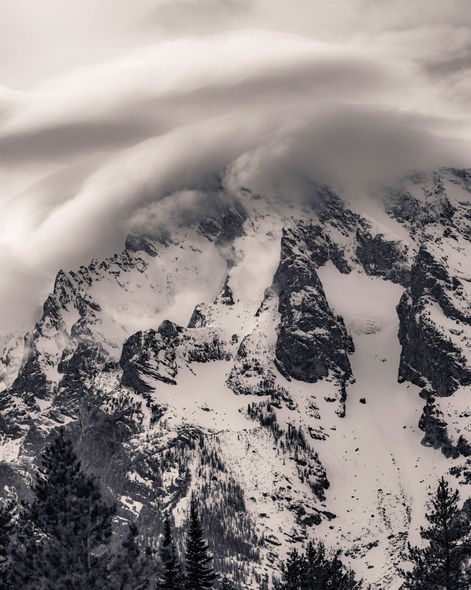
x: 310, y: 359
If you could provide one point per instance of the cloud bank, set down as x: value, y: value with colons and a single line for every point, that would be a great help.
x: 147, y: 102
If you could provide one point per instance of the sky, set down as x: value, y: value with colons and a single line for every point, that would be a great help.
x: 107, y: 106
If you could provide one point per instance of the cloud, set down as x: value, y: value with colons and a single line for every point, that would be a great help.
x: 202, y: 16
x: 114, y: 105
x: 355, y: 148
x: 134, y: 177
x: 108, y: 147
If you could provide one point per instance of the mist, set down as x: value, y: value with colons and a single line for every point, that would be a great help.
x: 108, y: 112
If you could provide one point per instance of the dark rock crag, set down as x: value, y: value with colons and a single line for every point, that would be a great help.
x: 312, y: 341
x: 153, y: 353
x: 428, y: 354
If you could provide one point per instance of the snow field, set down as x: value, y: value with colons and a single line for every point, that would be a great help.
x: 380, y: 474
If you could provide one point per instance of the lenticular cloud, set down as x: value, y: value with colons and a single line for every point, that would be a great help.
x: 83, y: 154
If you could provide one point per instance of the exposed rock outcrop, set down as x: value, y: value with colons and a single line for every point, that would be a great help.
x: 382, y: 257
x: 152, y: 354
x: 141, y: 244
x: 312, y: 341
x: 435, y: 428
x: 428, y: 353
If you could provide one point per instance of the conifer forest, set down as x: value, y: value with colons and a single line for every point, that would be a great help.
x: 67, y: 538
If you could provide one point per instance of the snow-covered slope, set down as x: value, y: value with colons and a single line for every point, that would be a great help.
x: 305, y: 368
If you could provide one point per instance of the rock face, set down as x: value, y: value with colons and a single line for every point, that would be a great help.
x: 149, y: 354
x: 434, y: 310
x: 312, y: 341
x: 211, y: 358
x: 383, y: 257
x: 428, y: 354
x: 153, y: 354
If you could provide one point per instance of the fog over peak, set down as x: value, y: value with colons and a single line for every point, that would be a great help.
x: 105, y: 110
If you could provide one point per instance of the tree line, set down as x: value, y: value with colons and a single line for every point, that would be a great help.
x: 62, y: 540
x: 442, y: 562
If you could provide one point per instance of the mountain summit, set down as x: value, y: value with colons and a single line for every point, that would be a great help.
x: 302, y: 366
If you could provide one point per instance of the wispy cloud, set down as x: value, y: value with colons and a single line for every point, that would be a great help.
x: 351, y: 92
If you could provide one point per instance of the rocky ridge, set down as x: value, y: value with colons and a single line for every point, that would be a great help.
x: 173, y: 376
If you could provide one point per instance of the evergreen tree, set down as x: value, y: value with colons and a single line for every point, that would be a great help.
x: 295, y: 571
x: 326, y: 570
x: 227, y: 584
x: 442, y: 565
x: 7, y: 528
x: 317, y: 569
x: 172, y: 577
x: 132, y: 568
x: 63, y: 535
x: 199, y: 574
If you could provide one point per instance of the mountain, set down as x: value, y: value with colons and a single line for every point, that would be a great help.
x: 302, y: 364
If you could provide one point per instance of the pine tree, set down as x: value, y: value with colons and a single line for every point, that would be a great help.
x: 317, y: 569
x: 227, y: 584
x: 172, y: 577
x: 132, y: 568
x: 295, y: 571
x: 63, y: 535
x: 442, y: 565
x: 199, y: 574
x: 326, y: 570
x: 7, y: 528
